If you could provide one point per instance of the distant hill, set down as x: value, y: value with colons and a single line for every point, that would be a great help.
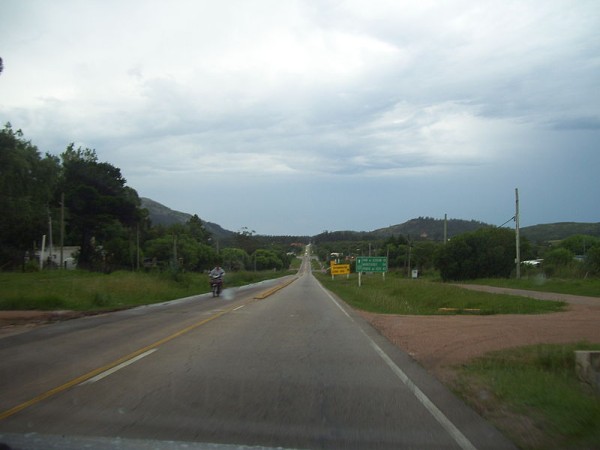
x: 425, y: 228
x: 559, y: 231
x: 162, y: 215
x: 429, y: 228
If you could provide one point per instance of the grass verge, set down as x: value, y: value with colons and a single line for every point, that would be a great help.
x: 397, y: 295
x: 533, y: 395
x: 88, y: 291
x: 587, y: 287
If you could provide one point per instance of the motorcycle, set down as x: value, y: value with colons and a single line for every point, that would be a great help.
x: 216, y: 285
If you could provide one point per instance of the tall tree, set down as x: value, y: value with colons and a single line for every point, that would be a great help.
x: 197, y: 230
x: 96, y: 197
x: 26, y: 184
x: 246, y: 240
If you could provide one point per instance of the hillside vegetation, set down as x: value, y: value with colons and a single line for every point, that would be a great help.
x: 429, y: 228
x: 160, y: 214
x: 558, y: 231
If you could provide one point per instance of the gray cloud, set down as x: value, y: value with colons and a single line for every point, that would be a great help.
x: 264, y: 96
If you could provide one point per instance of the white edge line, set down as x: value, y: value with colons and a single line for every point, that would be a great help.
x: 456, y: 434
x: 118, y: 367
x: 239, y: 307
x: 438, y: 415
x: 336, y: 303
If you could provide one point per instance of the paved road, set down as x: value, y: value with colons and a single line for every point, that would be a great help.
x: 297, y: 369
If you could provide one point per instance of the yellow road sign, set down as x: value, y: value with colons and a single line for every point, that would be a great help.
x: 340, y: 269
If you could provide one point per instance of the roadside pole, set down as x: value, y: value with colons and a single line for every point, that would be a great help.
x: 518, y: 249
x: 42, y: 252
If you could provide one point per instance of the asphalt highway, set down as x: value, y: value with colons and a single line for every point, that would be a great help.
x: 295, y: 369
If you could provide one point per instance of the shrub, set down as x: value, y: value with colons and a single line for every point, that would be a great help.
x: 592, y: 260
x: 485, y: 253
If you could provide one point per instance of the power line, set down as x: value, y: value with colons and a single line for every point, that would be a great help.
x: 512, y: 218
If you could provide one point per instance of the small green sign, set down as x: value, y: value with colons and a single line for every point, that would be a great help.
x: 371, y: 264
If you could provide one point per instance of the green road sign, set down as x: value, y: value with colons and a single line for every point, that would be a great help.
x: 371, y: 264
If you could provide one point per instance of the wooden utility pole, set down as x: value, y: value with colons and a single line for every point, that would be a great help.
x: 518, y: 249
x: 445, y: 228
x: 137, y: 247
x: 62, y: 229
x: 51, y: 242
x: 175, y: 260
x: 42, y: 252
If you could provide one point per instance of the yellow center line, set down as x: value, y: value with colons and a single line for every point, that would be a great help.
x: 108, y: 366
x: 271, y: 291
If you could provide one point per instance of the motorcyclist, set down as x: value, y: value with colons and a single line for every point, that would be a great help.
x: 216, y: 276
x: 217, y: 272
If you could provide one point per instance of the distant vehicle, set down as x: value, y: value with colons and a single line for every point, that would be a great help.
x: 533, y: 262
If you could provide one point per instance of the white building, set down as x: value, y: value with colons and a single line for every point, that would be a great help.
x: 52, y: 256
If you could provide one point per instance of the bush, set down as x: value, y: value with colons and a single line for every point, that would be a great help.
x: 485, y: 253
x: 558, y: 257
x: 559, y: 262
x: 267, y: 260
x: 592, y: 260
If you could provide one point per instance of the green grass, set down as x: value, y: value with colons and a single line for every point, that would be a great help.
x: 587, y: 287
x: 537, y: 386
x: 87, y: 291
x: 295, y: 263
x: 397, y: 295
x: 315, y: 264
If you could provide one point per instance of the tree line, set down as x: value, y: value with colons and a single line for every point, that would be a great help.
x: 488, y: 252
x: 87, y: 203
x: 103, y: 217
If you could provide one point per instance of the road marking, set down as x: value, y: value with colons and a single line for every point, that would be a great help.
x: 438, y: 415
x: 119, y: 367
x: 83, y: 378
x: 277, y: 288
x: 239, y: 307
x: 336, y: 303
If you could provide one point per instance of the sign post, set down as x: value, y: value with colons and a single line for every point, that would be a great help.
x: 373, y: 264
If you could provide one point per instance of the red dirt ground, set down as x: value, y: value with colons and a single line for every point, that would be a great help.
x: 439, y: 342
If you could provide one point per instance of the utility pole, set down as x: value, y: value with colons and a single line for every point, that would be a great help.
x: 137, y: 247
x: 50, y: 241
x: 518, y: 249
x: 42, y: 252
x: 409, y: 251
x: 62, y: 229
x: 445, y: 228
x: 175, y: 260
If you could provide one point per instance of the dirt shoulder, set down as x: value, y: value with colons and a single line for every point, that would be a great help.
x: 16, y: 322
x: 439, y: 342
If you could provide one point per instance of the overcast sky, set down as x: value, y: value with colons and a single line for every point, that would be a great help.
x: 294, y: 117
